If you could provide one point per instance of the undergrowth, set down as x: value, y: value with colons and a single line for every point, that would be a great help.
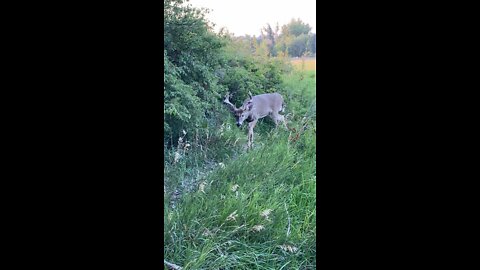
x: 228, y: 208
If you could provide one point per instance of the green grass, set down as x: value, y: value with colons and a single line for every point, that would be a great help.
x: 211, y: 223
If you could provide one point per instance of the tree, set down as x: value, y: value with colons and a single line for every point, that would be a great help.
x: 296, y: 28
x: 298, y: 46
x: 293, y: 39
x: 312, y: 44
x: 270, y: 40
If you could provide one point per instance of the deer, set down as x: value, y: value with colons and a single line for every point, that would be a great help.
x: 255, y: 108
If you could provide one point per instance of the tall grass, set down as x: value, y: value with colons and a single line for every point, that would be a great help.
x: 304, y: 63
x: 246, y: 209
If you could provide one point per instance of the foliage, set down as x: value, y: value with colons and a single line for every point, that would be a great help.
x: 224, y: 207
x: 270, y: 37
x: 312, y: 44
x: 298, y: 46
x: 296, y: 28
x: 295, y: 40
x: 200, y: 67
x: 248, y: 73
x: 190, y: 59
x: 251, y: 210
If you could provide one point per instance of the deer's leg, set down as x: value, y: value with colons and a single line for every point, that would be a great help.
x: 251, y: 125
x: 284, y: 122
x: 275, y: 119
x: 279, y: 118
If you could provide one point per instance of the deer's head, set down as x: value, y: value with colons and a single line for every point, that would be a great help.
x: 244, y: 112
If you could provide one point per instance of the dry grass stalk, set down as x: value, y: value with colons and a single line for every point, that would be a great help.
x: 266, y: 214
x: 172, y: 265
x: 235, y: 187
x: 207, y: 233
x: 232, y: 216
x: 258, y: 228
x: 201, y: 187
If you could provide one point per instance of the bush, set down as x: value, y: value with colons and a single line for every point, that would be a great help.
x: 200, y: 67
x: 191, y: 55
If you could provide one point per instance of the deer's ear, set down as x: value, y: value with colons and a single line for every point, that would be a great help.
x: 249, y: 105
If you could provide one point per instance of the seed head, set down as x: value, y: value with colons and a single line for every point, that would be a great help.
x: 258, y: 228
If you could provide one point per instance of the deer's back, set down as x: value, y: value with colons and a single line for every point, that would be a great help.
x: 267, y: 103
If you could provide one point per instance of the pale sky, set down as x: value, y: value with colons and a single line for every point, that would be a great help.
x: 243, y: 17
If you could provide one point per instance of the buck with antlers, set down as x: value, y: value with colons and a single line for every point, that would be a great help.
x: 256, y: 107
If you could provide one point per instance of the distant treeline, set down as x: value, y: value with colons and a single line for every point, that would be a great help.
x: 294, y: 39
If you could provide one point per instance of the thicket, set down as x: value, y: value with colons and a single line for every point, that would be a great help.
x: 200, y: 67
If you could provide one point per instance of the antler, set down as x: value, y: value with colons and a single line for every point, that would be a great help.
x: 229, y: 104
x: 249, y: 103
